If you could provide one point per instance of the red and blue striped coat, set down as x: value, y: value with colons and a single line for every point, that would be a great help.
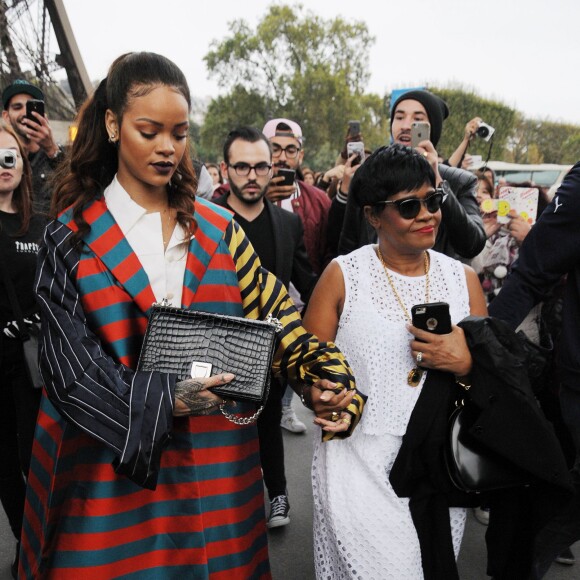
x: 118, y: 487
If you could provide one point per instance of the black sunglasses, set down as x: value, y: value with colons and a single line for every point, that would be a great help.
x: 410, y: 208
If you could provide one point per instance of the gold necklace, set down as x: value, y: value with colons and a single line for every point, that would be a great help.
x: 415, y: 374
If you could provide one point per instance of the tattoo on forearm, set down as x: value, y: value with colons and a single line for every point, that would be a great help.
x: 188, y: 393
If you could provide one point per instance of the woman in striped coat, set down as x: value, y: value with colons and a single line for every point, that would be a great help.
x: 133, y: 474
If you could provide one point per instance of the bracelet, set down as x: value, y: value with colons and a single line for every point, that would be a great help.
x: 303, y: 398
x: 56, y: 155
x: 463, y: 382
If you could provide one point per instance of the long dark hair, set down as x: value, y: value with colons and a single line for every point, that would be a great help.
x: 22, y: 195
x: 92, y: 161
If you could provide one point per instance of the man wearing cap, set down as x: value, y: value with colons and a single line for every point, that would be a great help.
x: 461, y: 233
x: 310, y: 203
x: 43, y: 151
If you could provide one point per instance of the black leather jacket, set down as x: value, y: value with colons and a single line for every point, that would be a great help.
x: 507, y: 421
x: 461, y: 234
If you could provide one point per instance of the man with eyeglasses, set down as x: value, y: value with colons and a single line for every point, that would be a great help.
x: 277, y: 237
x: 310, y: 203
x: 461, y: 233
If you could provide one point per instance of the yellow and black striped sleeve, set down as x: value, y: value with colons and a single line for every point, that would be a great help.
x: 300, y: 356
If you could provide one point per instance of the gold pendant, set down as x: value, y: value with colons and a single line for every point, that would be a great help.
x: 414, y: 377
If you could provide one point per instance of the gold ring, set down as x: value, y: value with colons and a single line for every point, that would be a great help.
x: 346, y: 420
x: 334, y: 416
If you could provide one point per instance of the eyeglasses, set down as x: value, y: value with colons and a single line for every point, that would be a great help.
x: 243, y: 169
x: 410, y: 208
x: 290, y: 150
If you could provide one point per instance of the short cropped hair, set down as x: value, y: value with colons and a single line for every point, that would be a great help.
x: 388, y: 171
x: 248, y: 134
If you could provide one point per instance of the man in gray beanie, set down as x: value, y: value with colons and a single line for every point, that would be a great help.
x: 461, y: 234
x: 435, y: 111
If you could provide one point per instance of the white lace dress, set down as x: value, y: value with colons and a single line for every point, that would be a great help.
x: 361, y: 528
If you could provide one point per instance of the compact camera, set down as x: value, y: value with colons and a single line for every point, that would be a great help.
x: 485, y: 131
x: 7, y: 158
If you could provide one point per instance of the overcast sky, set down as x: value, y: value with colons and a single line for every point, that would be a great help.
x: 523, y: 53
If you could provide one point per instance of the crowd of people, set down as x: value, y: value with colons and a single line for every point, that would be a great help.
x: 110, y: 471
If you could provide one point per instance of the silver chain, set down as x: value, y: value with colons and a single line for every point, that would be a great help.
x: 240, y: 420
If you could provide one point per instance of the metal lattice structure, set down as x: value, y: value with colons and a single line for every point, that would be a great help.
x: 36, y: 41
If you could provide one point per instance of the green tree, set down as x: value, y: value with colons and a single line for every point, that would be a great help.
x: 239, y: 107
x: 544, y: 141
x: 464, y: 105
x: 298, y: 65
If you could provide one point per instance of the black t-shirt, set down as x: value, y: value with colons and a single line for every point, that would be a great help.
x: 19, y: 257
x: 261, y: 235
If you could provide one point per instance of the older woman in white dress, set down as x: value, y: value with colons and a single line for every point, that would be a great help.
x: 363, y: 302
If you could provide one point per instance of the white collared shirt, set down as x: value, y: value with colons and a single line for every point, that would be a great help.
x: 143, y: 231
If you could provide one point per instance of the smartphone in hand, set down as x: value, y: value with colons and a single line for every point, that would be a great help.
x: 420, y: 131
x: 36, y: 106
x: 432, y: 317
x: 288, y: 174
x: 353, y: 129
x: 358, y: 148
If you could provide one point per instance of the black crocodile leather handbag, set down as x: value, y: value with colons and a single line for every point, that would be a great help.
x: 472, y: 467
x: 190, y: 343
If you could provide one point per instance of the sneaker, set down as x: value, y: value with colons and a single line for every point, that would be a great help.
x: 566, y: 557
x: 279, y: 508
x: 481, y: 515
x: 290, y: 421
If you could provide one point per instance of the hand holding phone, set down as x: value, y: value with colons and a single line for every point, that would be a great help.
x: 353, y: 129
x: 355, y: 148
x: 36, y: 106
x: 433, y: 317
x: 289, y: 176
x: 420, y: 131
x: 451, y: 353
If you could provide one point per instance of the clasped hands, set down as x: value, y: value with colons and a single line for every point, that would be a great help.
x: 325, y: 398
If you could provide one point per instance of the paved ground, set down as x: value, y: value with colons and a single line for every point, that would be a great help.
x: 291, y: 546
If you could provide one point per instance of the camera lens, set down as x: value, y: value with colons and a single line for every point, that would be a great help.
x: 7, y: 159
x: 482, y: 132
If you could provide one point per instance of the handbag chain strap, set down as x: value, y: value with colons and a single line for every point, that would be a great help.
x: 240, y: 420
